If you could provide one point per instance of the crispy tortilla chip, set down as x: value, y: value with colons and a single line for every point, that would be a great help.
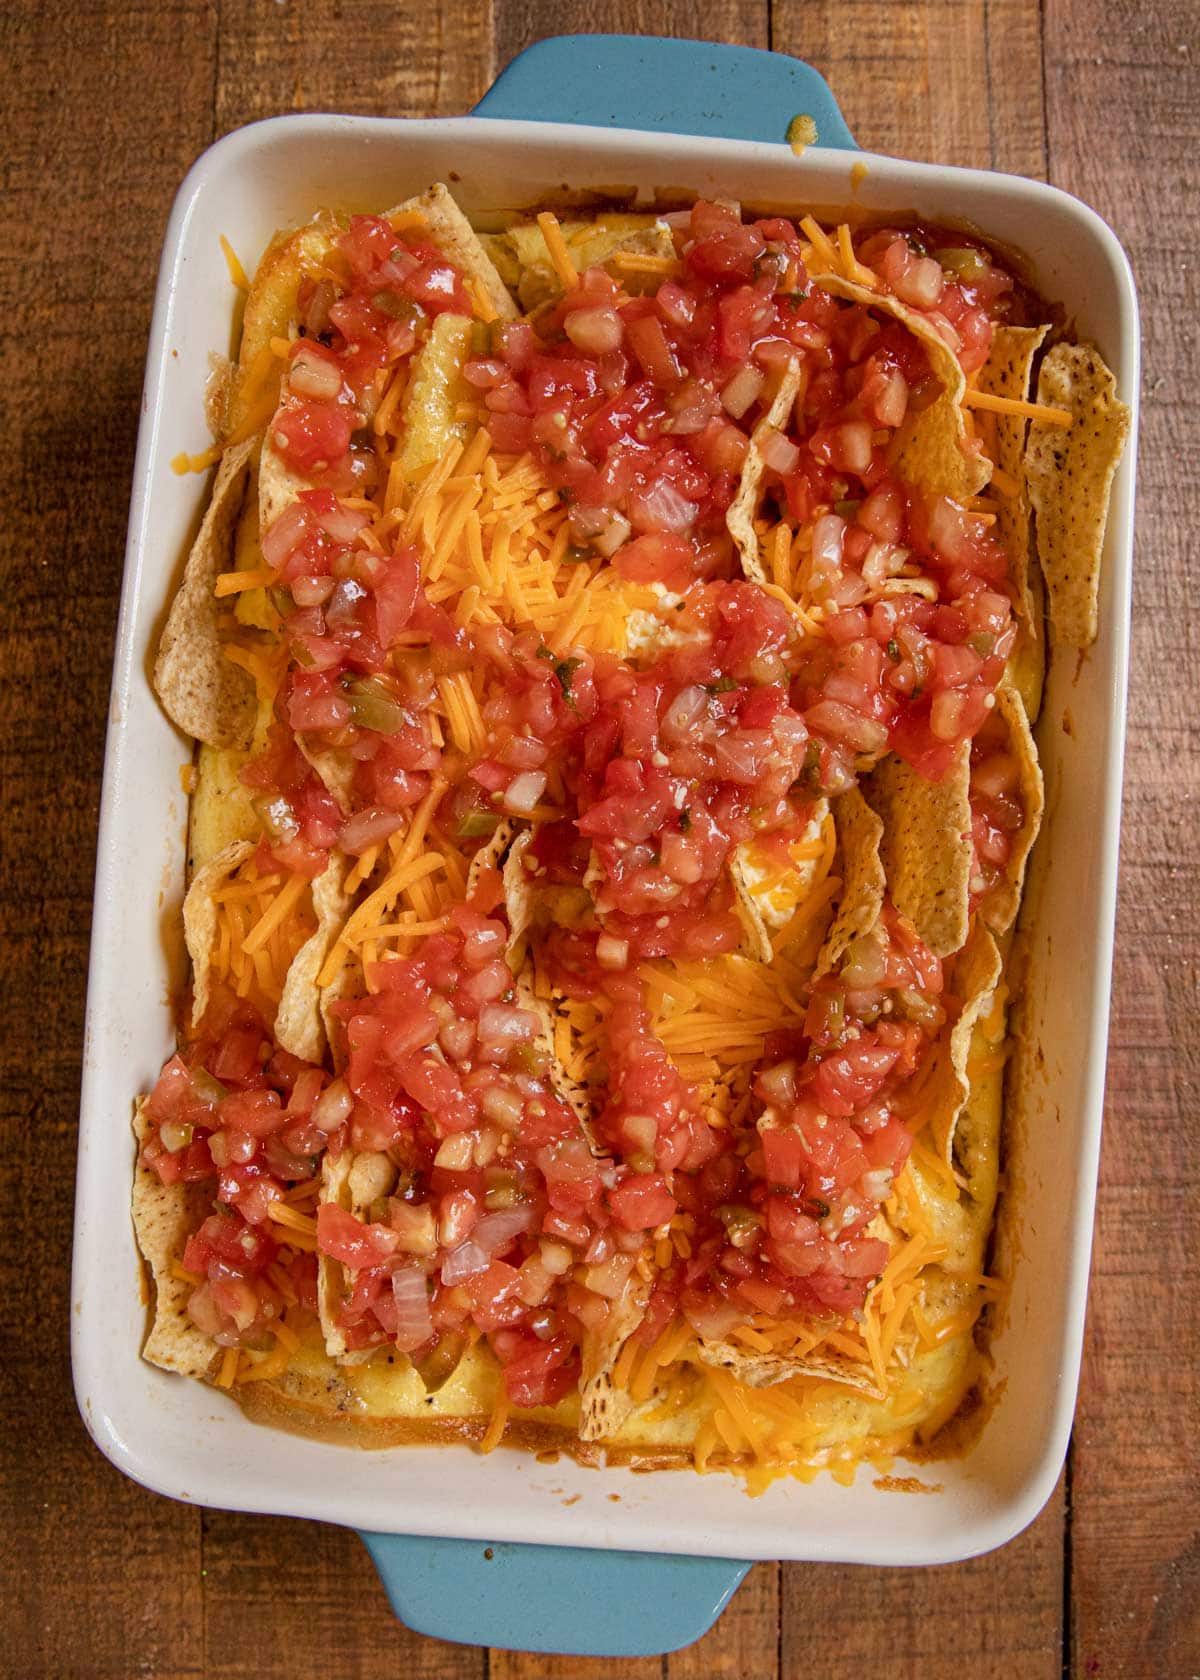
x: 973, y: 979
x: 489, y: 856
x: 764, y: 1370
x: 860, y: 834
x: 348, y: 984
x: 222, y: 808
x: 299, y: 1027
x: 603, y: 1407
x: 1070, y: 474
x: 756, y: 937
x: 741, y: 515
x: 278, y: 484
x: 522, y: 260
x: 454, y: 236
x: 270, y: 312
x: 164, y: 1217
x: 334, y: 769
x: 354, y: 1182
x: 926, y: 846
x: 202, y: 692
x: 200, y: 918
x: 932, y: 449
x: 1000, y: 907
x: 765, y: 900
x: 1007, y: 373
x: 331, y: 1274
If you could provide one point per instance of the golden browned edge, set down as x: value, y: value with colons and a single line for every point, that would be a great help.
x: 265, y: 1403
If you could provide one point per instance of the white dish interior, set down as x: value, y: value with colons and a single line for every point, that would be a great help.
x: 186, y: 1440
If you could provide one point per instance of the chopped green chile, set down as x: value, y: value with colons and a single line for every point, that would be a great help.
x: 373, y: 706
x: 207, y: 1088
x: 476, y: 824
x: 963, y: 261
x: 277, y: 817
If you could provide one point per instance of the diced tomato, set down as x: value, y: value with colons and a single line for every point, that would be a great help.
x: 641, y: 1202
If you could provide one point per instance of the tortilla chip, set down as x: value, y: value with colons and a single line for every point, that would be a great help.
x: 200, y: 918
x: 222, y: 807
x: 454, y: 236
x: 742, y: 512
x: 756, y: 937
x: 860, y: 834
x: 331, y: 1274
x: 522, y: 260
x: 299, y: 1027
x: 354, y: 1181
x: 202, y: 692
x: 164, y: 1217
x: 932, y: 449
x: 766, y: 901
x: 278, y: 484
x: 334, y: 769
x: 972, y: 980
x: 1007, y: 373
x: 926, y: 847
x: 489, y: 856
x: 603, y: 1407
x: 764, y: 1370
x: 435, y: 395
x: 1001, y: 905
x: 1070, y: 474
x: 348, y: 984
x: 271, y: 309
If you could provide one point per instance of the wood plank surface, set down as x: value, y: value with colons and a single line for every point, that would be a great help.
x: 103, y: 107
x: 1135, y: 1474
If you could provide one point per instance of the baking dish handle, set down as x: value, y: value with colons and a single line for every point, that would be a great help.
x: 674, y: 87
x: 562, y: 1599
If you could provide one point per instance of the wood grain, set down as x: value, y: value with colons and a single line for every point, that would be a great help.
x: 76, y: 288
x: 1135, y: 1551
x: 953, y: 82
x: 104, y: 106
x: 991, y: 1618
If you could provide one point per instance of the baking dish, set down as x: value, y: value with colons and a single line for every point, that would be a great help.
x: 187, y: 1441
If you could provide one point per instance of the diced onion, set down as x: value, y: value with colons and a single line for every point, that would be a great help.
x: 496, y: 1231
x: 610, y: 1276
x: 556, y: 1256
x: 285, y: 534
x: 946, y: 714
x: 617, y: 531
x: 595, y: 331
x: 502, y: 1105
x: 829, y: 533
x: 369, y: 828
x: 457, y: 1152
x: 660, y: 507
x: 855, y: 441
x: 524, y: 791
x: 641, y: 1130
x: 467, y: 1260
x: 411, y: 1292
x: 313, y: 375
x: 778, y: 1083
x: 781, y: 455
x: 500, y: 1024
x: 612, y: 953
x: 741, y: 390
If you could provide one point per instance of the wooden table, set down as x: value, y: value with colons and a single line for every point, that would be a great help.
x: 103, y: 109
